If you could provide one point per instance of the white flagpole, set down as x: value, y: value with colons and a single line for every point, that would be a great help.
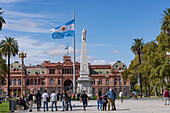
x: 74, y: 58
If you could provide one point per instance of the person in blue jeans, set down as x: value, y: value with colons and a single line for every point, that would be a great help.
x: 53, y: 101
x: 64, y: 97
x: 99, y: 101
x: 84, y: 98
x: 45, y: 102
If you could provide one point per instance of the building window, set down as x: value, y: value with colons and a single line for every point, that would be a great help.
x: 115, y: 81
x: 120, y: 82
x: 19, y: 66
x: 35, y: 82
x: 93, y: 82
x: 19, y: 82
x: 43, y: 72
x: 52, y: 71
x: 15, y: 82
x: 10, y: 82
x: 51, y: 82
x: 124, y: 82
x: 100, y: 72
x: 14, y: 69
x: 28, y: 72
x: 58, y: 82
x: 28, y: 82
x: 67, y: 71
x: 100, y: 81
x: 107, y: 72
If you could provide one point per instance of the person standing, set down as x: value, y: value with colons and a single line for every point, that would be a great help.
x: 58, y: 95
x: 121, y: 96
x: 166, y: 97
x: 111, y: 99
x: 99, y: 101
x: 64, y: 97
x: 69, y: 101
x: 84, y: 98
x: 53, y: 101
x: 30, y: 99
x: 38, y: 100
x: 104, y: 101
x: 78, y: 96
x: 45, y: 102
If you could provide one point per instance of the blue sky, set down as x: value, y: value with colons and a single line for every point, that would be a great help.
x: 111, y: 27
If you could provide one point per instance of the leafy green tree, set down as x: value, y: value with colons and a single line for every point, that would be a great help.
x: 3, y: 70
x: 137, y: 50
x: 2, y: 21
x: 9, y: 48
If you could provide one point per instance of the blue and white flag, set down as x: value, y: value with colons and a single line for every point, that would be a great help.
x: 64, y: 30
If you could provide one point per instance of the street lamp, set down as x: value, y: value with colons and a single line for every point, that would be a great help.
x: 22, y: 55
x: 37, y: 73
x: 107, y: 77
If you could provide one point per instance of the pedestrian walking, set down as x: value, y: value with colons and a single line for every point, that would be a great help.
x: 30, y: 100
x: 22, y: 102
x: 104, y: 101
x: 38, y: 100
x: 114, y: 95
x: 53, y: 101
x: 58, y: 95
x: 111, y: 99
x: 78, y: 96
x: 99, y: 101
x: 84, y: 98
x: 166, y: 97
x: 121, y: 96
x: 45, y: 102
x: 64, y: 97
x: 69, y: 101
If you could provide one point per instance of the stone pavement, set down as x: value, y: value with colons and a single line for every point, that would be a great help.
x: 129, y: 106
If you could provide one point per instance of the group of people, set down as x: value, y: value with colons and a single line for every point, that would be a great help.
x: 109, y: 98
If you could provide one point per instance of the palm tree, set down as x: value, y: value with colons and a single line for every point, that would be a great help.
x: 9, y: 48
x: 2, y: 21
x: 137, y: 50
x: 166, y: 21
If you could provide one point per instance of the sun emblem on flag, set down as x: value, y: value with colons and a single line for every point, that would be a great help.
x: 63, y: 28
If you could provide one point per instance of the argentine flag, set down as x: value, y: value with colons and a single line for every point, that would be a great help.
x: 64, y: 30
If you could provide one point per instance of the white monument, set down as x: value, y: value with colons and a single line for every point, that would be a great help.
x: 84, y: 81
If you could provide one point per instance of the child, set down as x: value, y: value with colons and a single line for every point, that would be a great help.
x: 104, y: 101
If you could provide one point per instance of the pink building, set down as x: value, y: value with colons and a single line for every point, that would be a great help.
x: 58, y: 76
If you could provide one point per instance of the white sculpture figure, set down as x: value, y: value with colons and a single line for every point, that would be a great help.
x: 84, y: 35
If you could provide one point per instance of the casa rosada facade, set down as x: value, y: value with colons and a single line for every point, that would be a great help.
x: 59, y: 76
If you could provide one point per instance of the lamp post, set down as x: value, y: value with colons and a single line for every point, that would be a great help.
x: 22, y: 55
x: 107, y: 77
x: 37, y: 73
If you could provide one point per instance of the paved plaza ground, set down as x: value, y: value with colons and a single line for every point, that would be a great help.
x: 129, y: 106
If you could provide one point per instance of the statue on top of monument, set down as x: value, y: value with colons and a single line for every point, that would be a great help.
x: 84, y: 35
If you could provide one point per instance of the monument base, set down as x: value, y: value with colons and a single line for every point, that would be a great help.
x: 85, y: 84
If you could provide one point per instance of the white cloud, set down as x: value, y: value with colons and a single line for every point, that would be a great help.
x: 115, y: 51
x: 10, y: 1
x: 99, y: 62
x: 59, y: 51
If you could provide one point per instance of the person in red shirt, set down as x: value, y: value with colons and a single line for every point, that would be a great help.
x: 166, y: 97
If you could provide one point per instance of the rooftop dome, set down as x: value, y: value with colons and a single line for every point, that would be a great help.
x: 119, y: 66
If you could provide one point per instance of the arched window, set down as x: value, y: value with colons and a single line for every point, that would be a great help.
x: 51, y: 82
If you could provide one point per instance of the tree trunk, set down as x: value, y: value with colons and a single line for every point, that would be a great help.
x: 8, y: 74
x: 140, y: 76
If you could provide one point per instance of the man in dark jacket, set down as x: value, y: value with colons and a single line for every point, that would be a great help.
x: 38, y: 100
x: 69, y: 101
x: 64, y: 97
x: 30, y: 99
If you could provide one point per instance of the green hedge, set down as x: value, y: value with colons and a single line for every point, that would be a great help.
x: 4, y: 107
